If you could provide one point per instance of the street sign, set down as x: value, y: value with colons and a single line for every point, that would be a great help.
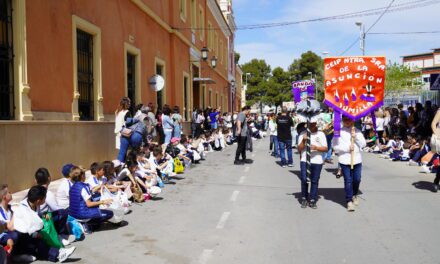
x: 156, y: 82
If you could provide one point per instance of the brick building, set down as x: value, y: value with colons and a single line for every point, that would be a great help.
x: 64, y: 66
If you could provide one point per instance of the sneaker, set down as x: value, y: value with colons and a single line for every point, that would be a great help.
x: 356, y: 200
x: 350, y: 207
x: 290, y: 165
x: 65, y: 253
x: 283, y: 166
x: 313, y: 205
x: 238, y: 162
x: 413, y: 163
x: 65, y: 242
x: 304, y: 203
x: 248, y: 161
x: 25, y: 258
x: 436, y: 187
x: 425, y: 169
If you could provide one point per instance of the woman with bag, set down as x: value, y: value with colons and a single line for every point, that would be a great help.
x: 121, y: 115
x: 177, y: 120
x: 435, y: 145
x: 133, y: 134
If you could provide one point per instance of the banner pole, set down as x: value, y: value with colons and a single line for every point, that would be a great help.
x: 308, y: 139
x: 352, y: 144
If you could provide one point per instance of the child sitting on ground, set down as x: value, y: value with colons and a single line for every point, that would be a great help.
x: 59, y: 215
x: 82, y: 207
x: 64, y: 187
x: 163, y: 164
x: 8, y: 237
x: 32, y: 244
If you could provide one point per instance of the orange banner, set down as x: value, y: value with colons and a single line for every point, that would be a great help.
x: 354, y: 86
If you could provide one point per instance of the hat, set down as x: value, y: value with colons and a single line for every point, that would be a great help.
x: 116, y: 163
x: 66, y: 169
x: 314, y: 119
x: 174, y: 140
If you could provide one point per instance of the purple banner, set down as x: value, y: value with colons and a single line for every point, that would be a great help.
x: 302, y: 90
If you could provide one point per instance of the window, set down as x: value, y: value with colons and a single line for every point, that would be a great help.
x: 210, y: 36
x: 131, y: 80
x: 185, y: 98
x: 182, y: 8
x: 193, y: 14
x: 215, y: 44
x: 201, y: 23
x: 160, y: 94
x: 221, y: 52
x: 203, y: 105
x: 216, y: 100
x: 7, y: 106
x: 85, y: 75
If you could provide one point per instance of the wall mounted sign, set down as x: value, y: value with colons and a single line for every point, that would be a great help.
x: 156, y: 83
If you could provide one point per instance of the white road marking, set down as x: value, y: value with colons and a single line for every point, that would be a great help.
x: 241, y: 180
x: 246, y: 169
x: 206, y: 255
x: 234, y: 196
x: 223, y: 219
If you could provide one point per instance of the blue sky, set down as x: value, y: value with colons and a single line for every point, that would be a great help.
x: 279, y: 46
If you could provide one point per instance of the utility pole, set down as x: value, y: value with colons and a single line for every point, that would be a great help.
x: 362, y: 36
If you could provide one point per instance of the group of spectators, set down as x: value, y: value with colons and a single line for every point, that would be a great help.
x: 153, y: 150
x: 406, y: 135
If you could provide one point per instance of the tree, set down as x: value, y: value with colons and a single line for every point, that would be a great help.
x: 259, y: 72
x: 236, y: 57
x: 279, y: 88
x: 399, y: 78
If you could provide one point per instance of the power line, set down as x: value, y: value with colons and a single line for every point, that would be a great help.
x: 364, y: 13
x: 375, y: 22
x: 404, y: 33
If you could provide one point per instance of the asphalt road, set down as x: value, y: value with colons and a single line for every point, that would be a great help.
x: 221, y: 213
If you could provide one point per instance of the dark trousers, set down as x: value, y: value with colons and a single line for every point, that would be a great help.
x: 352, y: 180
x: 35, y: 247
x: 437, y: 176
x: 315, y: 174
x: 105, y: 215
x: 241, y: 148
x: 60, y: 221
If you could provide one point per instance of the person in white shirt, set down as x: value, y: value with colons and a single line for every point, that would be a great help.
x: 380, y: 121
x: 273, y: 136
x: 63, y: 190
x: 8, y: 236
x: 318, y: 146
x: 59, y: 215
x: 344, y: 148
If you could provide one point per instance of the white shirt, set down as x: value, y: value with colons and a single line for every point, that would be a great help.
x: 51, y: 204
x: 5, y: 216
x: 93, y: 181
x: 317, y: 139
x: 62, y: 195
x: 380, y: 123
x: 391, y: 143
x: 273, y: 128
x: 341, y: 146
x: 25, y: 203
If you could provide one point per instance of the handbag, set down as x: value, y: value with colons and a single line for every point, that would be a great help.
x: 138, y: 195
x: 178, y: 166
x: 49, y: 234
x: 75, y: 228
x: 126, y: 132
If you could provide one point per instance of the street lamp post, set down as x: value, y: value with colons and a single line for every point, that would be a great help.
x: 362, y: 36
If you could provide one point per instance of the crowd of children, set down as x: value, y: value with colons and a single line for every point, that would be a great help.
x: 45, y: 223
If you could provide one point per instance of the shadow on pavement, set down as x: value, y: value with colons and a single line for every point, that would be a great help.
x: 72, y: 260
x: 332, y: 170
x: 156, y: 198
x: 336, y: 195
x: 424, y: 185
x: 297, y: 173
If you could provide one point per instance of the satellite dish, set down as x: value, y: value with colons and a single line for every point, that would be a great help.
x: 156, y: 83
